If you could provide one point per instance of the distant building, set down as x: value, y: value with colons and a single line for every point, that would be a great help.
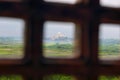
x: 59, y: 36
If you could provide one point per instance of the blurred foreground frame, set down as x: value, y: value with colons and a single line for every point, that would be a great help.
x: 78, y: 41
x: 15, y: 10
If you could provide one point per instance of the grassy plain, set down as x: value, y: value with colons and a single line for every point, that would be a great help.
x: 107, y: 50
x: 11, y: 50
x: 11, y: 77
x: 58, y: 50
x: 59, y: 77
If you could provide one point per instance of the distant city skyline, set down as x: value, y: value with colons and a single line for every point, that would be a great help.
x: 53, y: 27
x: 13, y: 27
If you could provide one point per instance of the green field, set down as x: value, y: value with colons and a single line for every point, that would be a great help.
x: 67, y: 77
x: 58, y: 50
x: 109, y: 78
x: 11, y: 50
x: 109, y: 49
x: 11, y: 77
x: 59, y: 77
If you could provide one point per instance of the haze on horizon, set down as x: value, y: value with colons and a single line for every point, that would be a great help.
x: 53, y: 27
x: 109, y: 31
x: 11, y: 27
x: 15, y: 27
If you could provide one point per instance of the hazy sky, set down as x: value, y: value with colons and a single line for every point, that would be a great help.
x: 11, y: 27
x: 110, y: 3
x: 51, y: 28
x: 109, y: 31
